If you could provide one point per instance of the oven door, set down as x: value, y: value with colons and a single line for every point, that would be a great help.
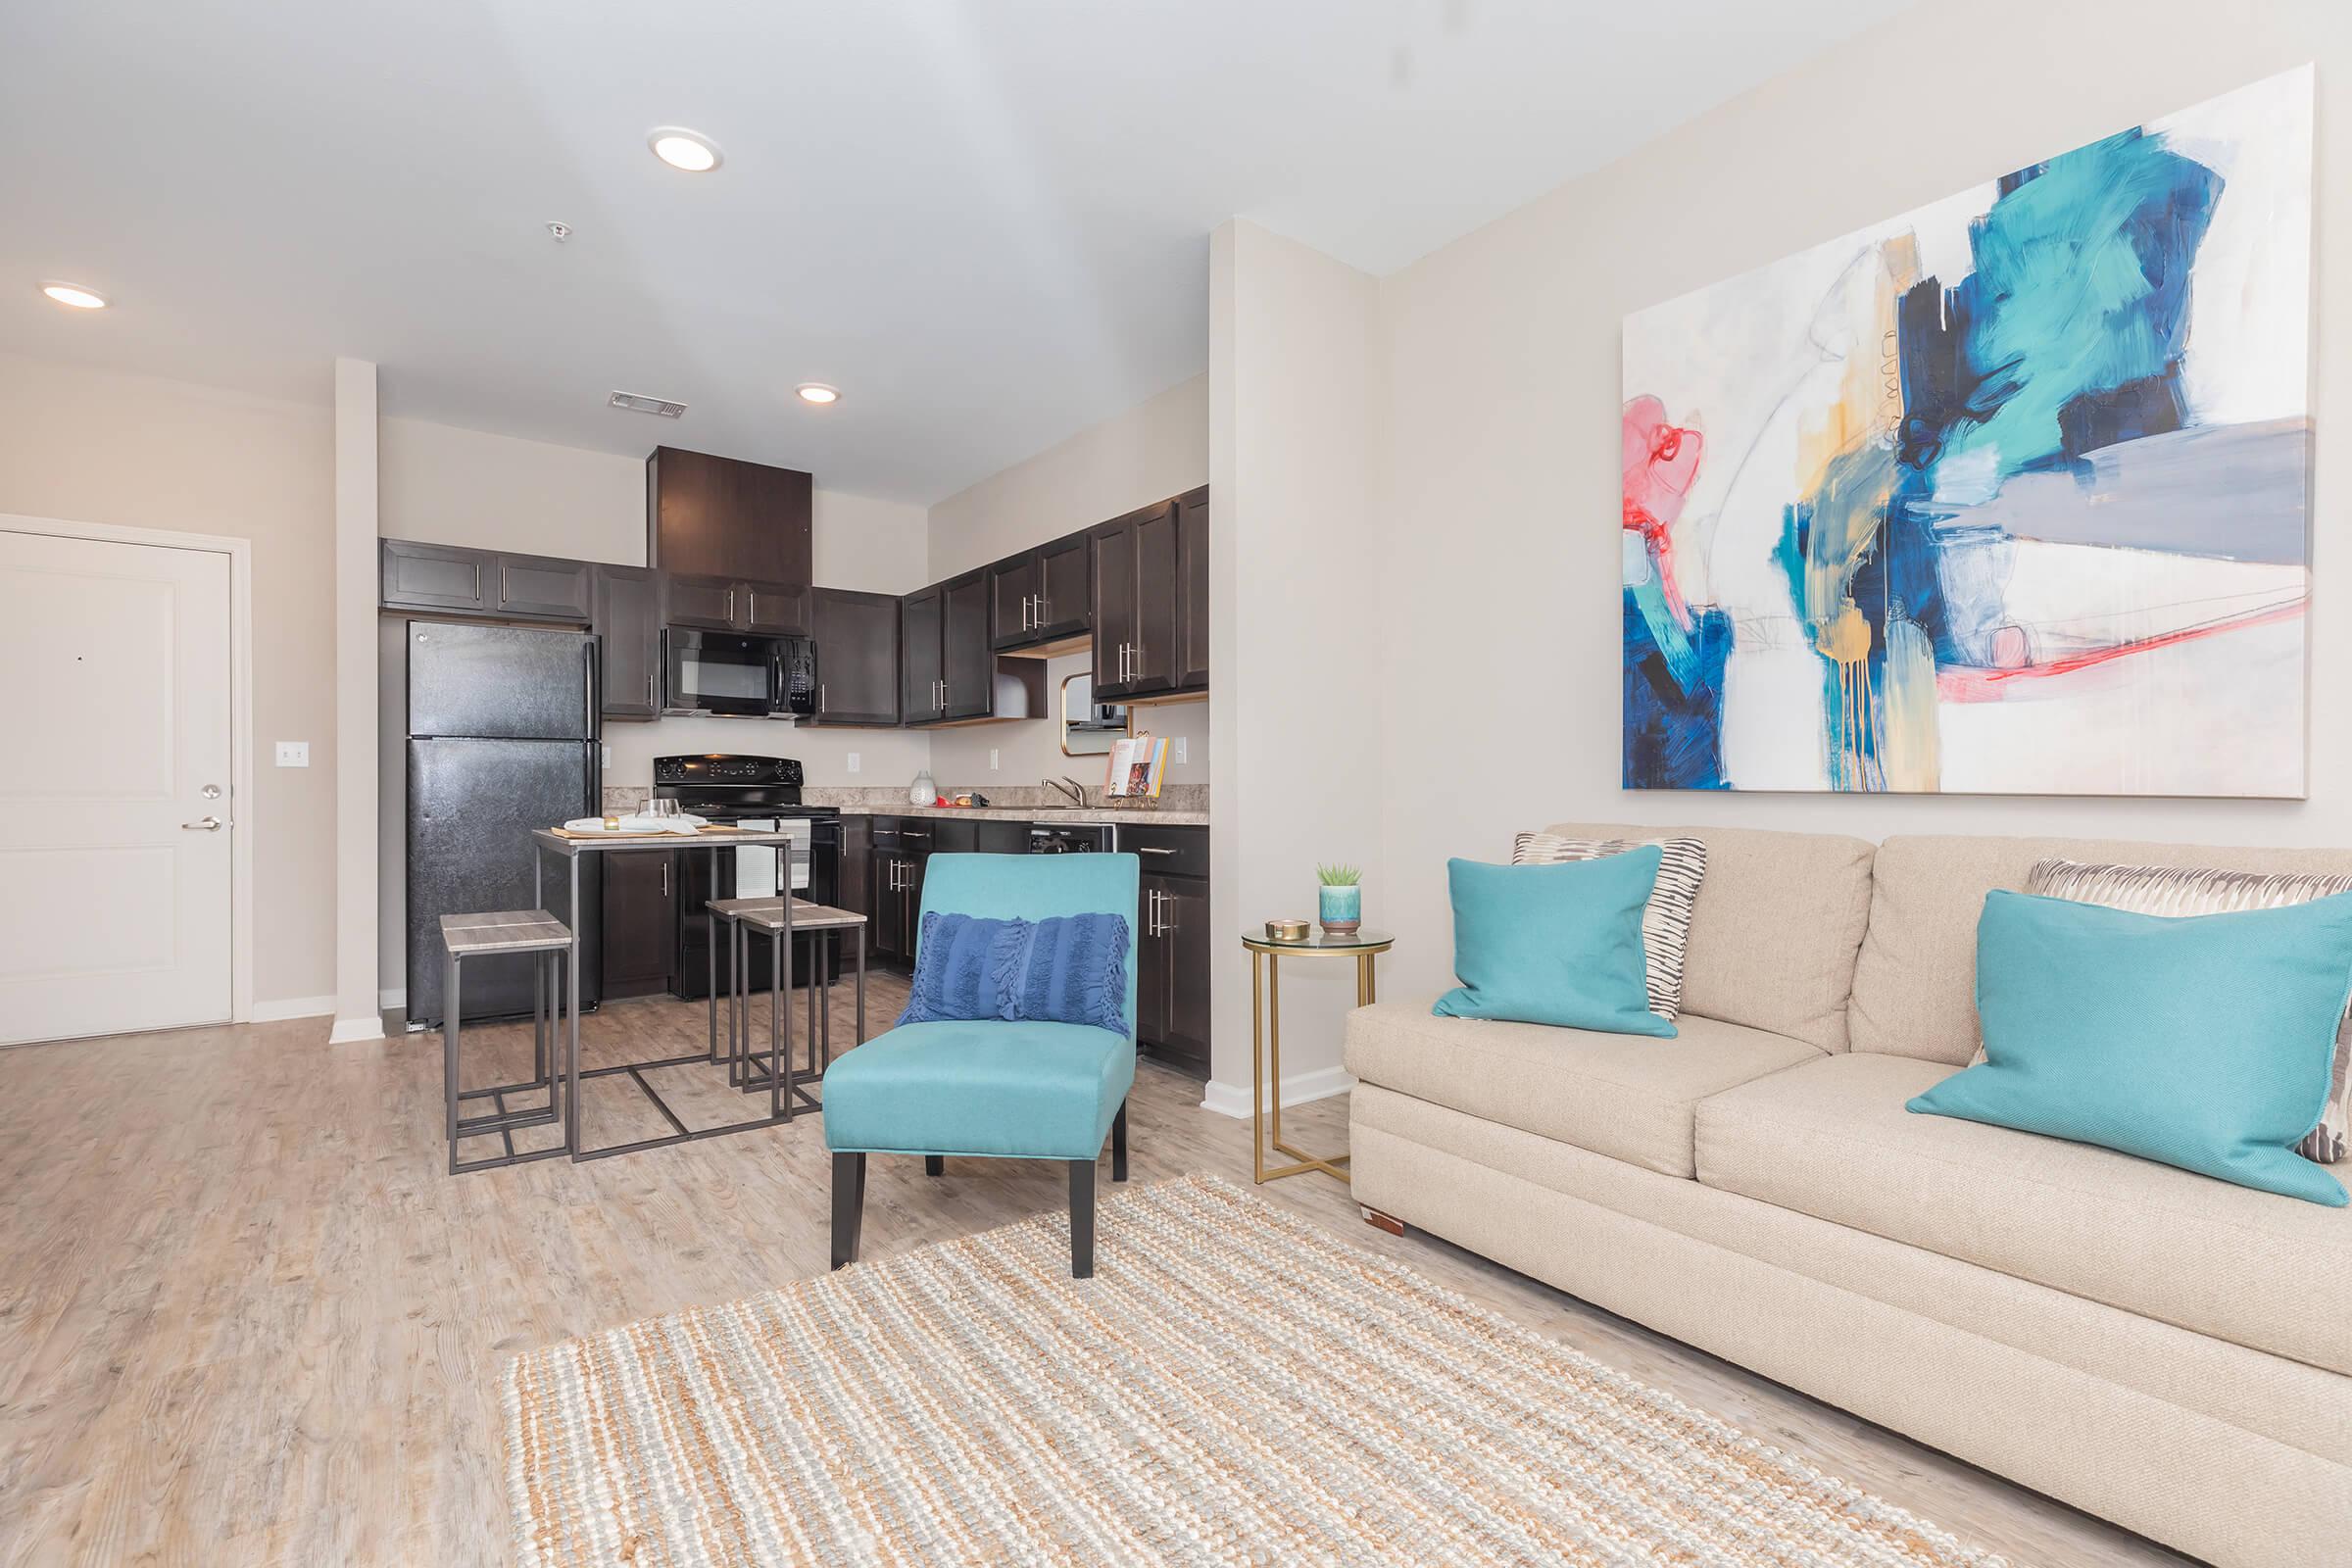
x: 724, y: 671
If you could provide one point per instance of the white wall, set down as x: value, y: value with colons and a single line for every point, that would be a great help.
x: 1503, y: 399
x: 1158, y: 449
x: 1298, y: 712
x: 95, y: 446
x: 474, y: 487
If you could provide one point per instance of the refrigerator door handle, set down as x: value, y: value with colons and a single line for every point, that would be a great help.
x: 591, y: 664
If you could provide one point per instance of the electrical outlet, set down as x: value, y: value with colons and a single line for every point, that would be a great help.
x: 293, y: 754
x: 1176, y: 751
x: 605, y: 753
x: 854, y: 762
x: 992, y: 758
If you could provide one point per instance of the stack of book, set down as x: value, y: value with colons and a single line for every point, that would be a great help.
x: 1138, y: 765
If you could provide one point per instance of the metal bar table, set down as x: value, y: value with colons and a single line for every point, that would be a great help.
x: 781, y: 920
x: 570, y: 846
x: 1265, y: 1035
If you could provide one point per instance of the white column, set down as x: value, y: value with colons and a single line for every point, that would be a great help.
x: 1295, y: 585
x: 357, y: 1015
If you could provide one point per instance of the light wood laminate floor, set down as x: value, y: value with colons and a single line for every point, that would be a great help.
x: 246, y: 1317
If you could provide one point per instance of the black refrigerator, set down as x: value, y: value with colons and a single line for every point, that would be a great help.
x: 502, y: 738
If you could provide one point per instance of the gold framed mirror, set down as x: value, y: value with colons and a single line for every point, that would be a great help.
x: 1088, y: 728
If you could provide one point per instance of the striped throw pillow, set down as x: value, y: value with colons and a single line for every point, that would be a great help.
x: 2179, y: 891
x: 1665, y: 920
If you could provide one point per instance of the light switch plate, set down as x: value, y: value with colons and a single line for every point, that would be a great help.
x: 606, y: 754
x: 992, y: 758
x: 854, y: 762
x: 293, y: 754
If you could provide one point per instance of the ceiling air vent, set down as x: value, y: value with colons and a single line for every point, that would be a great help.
x: 638, y: 403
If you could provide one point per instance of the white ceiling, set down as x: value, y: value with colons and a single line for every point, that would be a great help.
x: 986, y: 221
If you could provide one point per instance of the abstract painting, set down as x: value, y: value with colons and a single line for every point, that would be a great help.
x: 2010, y: 494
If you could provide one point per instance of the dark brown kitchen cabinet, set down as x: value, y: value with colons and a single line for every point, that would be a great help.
x: 899, y: 850
x: 856, y: 656
x: 734, y: 604
x: 541, y: 586
x: 920, y: 698
x: 421, y: 576
x: 640, y: 922
x: 1191, y: 590
x: 1172, y: 945
x: 856, y: 888
x: 451, y: 579
x: 1151, y: 599
x: 968, y: 665
x: 712, y: 517
x: 626, y: 616
x: 1042, y: 595
x: 1012, y: 599
x: 1114, y: 596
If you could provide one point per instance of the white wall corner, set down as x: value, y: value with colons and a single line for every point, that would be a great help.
x: 354, y: 740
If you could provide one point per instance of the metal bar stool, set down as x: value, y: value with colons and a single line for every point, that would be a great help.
x: 549, y: 942
x: 782, y: 920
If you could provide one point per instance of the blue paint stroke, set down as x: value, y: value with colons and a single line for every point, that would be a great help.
x: 1674, y: 726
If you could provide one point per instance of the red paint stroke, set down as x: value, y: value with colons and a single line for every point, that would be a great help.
x: 1977, y: 685
x: 1661, y: 463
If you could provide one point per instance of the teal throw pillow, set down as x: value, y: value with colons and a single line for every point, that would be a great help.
x: 2203, y: 1042
x: 1554, y: 943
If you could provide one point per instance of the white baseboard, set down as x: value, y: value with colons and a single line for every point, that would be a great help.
x: 1232, y: 1099
x: 350, y: 1031
x: 294, y: 1008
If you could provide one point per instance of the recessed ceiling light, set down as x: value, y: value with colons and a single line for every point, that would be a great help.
x: 817, y: 392
x: 74, y: 294
x: 680, y: 148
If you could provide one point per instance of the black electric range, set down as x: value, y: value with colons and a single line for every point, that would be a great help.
x: 744, y: 791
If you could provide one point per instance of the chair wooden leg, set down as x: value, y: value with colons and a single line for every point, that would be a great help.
x: 1118, y: 1145
x: 848, y: 1207
x: 935, y: 1164
x: 1082, y: 1219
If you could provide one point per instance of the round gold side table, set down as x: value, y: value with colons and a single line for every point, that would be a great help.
x: 1265, y: 1035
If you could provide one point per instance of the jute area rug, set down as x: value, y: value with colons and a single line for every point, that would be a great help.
x: 1233, y: 1387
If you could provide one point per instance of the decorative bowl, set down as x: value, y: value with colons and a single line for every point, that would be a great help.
x: 1286, y: 930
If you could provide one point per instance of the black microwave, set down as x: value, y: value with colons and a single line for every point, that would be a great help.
x: 750, y: 677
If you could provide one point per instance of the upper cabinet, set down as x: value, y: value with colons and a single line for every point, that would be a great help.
x: 1151, y: 599
x: 856, y: 656
x: 627, y: 620
x: 949, y: 672
x: 482, y: 582
x: 1191, y: 590
x: 725, y: 518
x: 1042, y: 595
x: 734, y: 604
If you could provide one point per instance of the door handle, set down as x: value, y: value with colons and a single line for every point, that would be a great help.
x: 208, y: 824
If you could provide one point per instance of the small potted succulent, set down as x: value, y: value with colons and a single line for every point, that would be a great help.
x: 1340, y: 902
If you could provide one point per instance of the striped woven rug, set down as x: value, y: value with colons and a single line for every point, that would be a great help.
x: 1233, y: 1386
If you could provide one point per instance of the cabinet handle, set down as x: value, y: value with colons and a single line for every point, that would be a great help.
x: 1151, y: 914
x: 730, y: 603
x: 665, y: 879
x: 1044, y: 611
x: 1153, y: 849
x: 820, y: 696
x: 649, y: 690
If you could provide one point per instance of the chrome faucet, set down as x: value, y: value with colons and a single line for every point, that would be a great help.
x: 1069, y: 787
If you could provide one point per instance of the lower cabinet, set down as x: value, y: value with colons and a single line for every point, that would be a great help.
x: 1172, y: 945
x: 640, y: 924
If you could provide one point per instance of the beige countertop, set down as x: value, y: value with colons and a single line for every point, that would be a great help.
x: 1037, y: 813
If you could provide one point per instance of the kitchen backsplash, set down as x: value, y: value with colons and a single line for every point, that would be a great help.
x: 625, y: 798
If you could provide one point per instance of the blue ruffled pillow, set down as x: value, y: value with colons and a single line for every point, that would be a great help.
x: 964, y: 967
x: 1073, y: 968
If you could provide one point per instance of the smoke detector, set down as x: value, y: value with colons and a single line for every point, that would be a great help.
x: 639, y: 402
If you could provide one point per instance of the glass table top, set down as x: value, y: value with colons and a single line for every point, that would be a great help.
x: 1318, y: 940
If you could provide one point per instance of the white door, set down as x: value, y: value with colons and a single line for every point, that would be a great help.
x: 115, y: 749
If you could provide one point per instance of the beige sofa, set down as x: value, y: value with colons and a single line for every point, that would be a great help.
x: 2157, y: 1348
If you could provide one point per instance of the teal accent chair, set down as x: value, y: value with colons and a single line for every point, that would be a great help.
x: 991, y: 1089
